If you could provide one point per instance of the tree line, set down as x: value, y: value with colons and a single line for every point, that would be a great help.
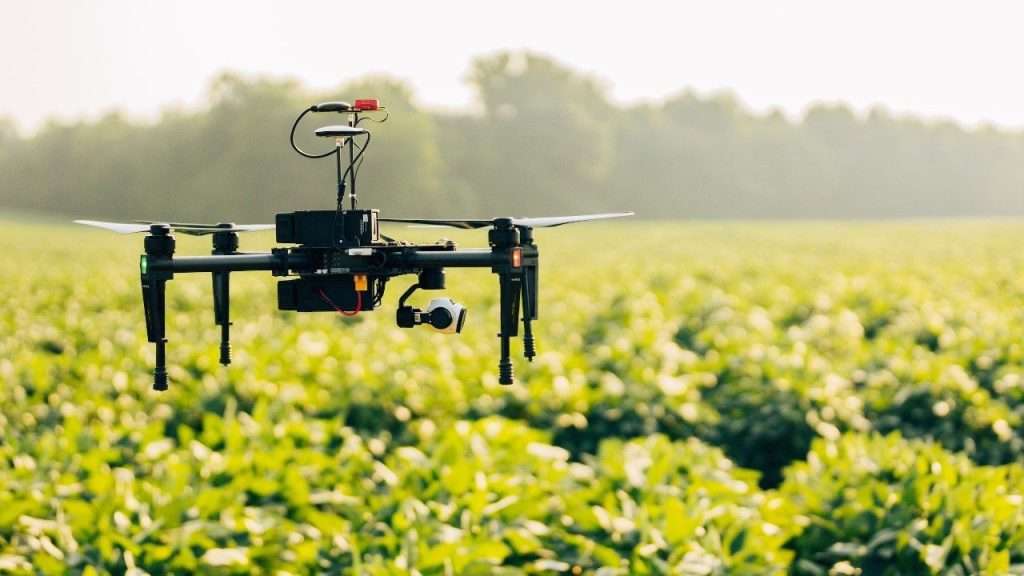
x: 543, y: 138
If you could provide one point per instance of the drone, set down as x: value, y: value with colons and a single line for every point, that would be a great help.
x: 340, y: 262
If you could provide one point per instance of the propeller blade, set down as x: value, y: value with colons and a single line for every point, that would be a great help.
x: 541, y: 222
x: 119, y: 227
x: 552, y: 221
x: 184, y: 228
x: 253, y: 227
x: 465, y: 224
x: 202, y: 231
x: 175, y: 224
x: 195, y: 229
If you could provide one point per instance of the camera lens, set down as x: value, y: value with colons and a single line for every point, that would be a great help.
x: 440, y: 318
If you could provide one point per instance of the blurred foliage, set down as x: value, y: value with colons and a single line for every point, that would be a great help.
x: 894, y: 507
x: 684, y: 372
x: 542, y: 138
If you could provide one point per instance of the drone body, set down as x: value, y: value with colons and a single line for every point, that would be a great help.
x: 339, y: 262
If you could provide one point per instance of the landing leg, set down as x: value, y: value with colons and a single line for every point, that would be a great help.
x: 153, y: 300
x: 510, y: 291
x: 223, y: 243
x: 159, y: 246
x: 221, y: 313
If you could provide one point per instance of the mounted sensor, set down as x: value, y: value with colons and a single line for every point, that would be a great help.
x: 331, y: 107
x: 339, y: 131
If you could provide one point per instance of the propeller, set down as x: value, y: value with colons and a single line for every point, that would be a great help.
x: 540, y: 222
x: 183, y: 227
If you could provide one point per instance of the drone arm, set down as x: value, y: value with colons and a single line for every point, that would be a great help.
x: 473, y: 258
x: 277, y: 261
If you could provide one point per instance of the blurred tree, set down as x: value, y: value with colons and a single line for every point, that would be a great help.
x: 8, y: 132
x: 543, y: 139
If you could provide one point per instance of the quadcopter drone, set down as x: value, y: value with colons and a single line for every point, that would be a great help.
x: 341, y: 262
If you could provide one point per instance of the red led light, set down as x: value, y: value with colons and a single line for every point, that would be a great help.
x: 517, y: 257
x: 364, y: 104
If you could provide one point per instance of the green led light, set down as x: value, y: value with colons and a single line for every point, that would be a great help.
x: 143, y: 264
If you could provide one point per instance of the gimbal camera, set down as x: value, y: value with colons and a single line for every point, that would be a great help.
x: 338, y: 261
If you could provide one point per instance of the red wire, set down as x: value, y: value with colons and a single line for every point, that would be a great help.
x: 359, y: 303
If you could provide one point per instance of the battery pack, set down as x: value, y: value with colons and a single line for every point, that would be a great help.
x: 327, y: 294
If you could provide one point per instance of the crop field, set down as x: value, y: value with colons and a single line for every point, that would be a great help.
x: 734, y: 398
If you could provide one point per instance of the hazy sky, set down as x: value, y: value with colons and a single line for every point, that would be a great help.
x: 963, y: 60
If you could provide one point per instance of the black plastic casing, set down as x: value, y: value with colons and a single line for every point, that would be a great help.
x: 312, y: 228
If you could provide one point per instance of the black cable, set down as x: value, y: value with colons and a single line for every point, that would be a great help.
x: 382, y: 283
x: 296, y: 147
x: 407, y: 293
x: 355, y: 163
x: 340, y: 205
x: 328, y: 153
x: 341, y: 182
x: 359, y: 159
x: 360, y: 164
x: 387, y: 114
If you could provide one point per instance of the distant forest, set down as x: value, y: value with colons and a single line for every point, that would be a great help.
x: 542, y: 139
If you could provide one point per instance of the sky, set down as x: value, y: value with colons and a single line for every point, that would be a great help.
x: 76, y: 59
